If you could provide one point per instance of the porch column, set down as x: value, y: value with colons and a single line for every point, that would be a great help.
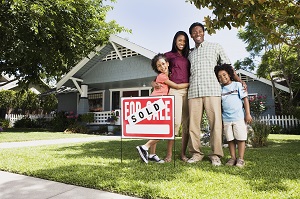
x: 83, y: 106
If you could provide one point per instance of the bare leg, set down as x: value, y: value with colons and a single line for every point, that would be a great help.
x: 241, y: 148
x: 168, y: 158
x: 184, y: 143
x: 153, y: 148
x: 231, y: 145
x: 152, y: 145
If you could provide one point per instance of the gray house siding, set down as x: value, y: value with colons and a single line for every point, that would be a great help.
x: 265, y: 90
x: 67, y: 102
x: 116, y: 70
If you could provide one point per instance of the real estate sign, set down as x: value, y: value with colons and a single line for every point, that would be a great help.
x: 148, y: 117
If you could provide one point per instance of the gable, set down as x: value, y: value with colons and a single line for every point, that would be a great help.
x: 116, y: 49
x: 248, y: 77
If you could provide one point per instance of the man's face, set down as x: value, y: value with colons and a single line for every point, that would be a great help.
x: 197, y: 35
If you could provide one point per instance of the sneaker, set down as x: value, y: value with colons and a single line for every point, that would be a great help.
x: 192, y: 160
x: 215, y: 160
x: 143, y: 153
x: 231, y: 162
x: 155, y: 158
x: 240, y: 163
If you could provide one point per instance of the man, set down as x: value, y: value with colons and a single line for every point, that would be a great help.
x: 205, y: 93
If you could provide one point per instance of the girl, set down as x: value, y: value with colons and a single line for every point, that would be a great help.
x: 160, y: 65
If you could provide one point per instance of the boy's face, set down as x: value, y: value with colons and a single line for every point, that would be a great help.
x: 162, y: 66
x: 224, y: 77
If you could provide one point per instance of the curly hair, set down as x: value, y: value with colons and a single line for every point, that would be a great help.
x: 227, y: 67
x: 155, y: 59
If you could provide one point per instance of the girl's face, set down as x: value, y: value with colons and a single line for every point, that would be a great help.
x: 224, y: 77
x: 180, y: 42
x: 162, y: 65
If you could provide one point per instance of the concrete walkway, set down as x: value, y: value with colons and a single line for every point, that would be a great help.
x: 15, y: 186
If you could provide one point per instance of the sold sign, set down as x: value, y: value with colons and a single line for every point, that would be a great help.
x: 148, y: 117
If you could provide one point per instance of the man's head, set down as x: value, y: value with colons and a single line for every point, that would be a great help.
x: 196, y: 31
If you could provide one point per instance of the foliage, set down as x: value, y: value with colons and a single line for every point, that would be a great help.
x: 7, y: 99
x: 67, y: 30
x: 113, y: 117
x: 267, y: 16
x: 278, y: 63
x: 62, y: 121
x: 25, y: 122
x: 261, y: 133
x: 76, y: 128
x: 87, y: 117
x: 258, y: 105
x: 26, y: 101
x: 270, y: 172
x: 4, y: 123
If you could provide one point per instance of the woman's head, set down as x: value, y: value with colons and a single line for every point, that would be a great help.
x: 181, y: 43
x: 159, y: 63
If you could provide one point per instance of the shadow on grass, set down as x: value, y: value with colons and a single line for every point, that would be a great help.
x: 98, y: 165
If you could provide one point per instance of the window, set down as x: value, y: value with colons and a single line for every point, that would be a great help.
x: 96, y: 102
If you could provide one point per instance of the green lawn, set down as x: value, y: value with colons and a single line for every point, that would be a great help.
x: 271, y: 172
x: 19, y: 135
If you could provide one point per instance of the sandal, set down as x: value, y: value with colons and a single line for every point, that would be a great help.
x: 184, y: 159
x: 168, y: 159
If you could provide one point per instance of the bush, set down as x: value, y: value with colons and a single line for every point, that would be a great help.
x: 76, y: 128
x: 86, y: 117
x: 261, y: 133
x: 61, y: 121
x: 4, y: 123
x: 25, y: 122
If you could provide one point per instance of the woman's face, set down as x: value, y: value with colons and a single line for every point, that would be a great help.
x: 180, y: 42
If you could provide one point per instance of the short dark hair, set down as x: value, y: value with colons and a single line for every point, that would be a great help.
x: 155, y: 59
x: 227, y: 67
x: 194, y: 25
x: 186, y: 49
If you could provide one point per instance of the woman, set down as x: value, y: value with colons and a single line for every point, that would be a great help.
x: 179, y: 73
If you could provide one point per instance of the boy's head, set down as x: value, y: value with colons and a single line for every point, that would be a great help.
x: 162, y: 59
x: 224, y: 73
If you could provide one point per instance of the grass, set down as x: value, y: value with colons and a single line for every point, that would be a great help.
x: 271, y: 172
x: 21, y: 135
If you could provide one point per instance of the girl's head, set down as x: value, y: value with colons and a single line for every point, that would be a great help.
x: 224, y: 73
x: 181, y: 43
x: 160, y: 63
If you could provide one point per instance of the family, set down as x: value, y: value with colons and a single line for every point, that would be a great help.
x: 201, y: 79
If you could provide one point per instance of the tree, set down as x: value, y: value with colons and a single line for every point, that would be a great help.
x: 279, y: 61
x: 41, y: 39
x: 266, y: 15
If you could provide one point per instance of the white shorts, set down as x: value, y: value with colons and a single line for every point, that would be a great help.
x: 235, y: 130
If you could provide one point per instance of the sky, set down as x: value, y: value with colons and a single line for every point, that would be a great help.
x: 155, y: 22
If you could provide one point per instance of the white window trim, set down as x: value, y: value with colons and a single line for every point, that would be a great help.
x: 121, y: 90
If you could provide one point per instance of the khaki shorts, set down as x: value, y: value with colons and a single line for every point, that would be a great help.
x: 235, y: 130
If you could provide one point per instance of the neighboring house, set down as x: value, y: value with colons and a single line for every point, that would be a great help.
x: 8, y: 83
x: 123, y: 69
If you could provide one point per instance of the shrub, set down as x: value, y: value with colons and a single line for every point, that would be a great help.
x: 62, y: 121
x: 261, y: 133
x: 4, y: 123
x: 76, y: 128
x: 25, y: 122
x: 86, y: 117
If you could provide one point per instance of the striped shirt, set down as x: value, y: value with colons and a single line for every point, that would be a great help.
x: 203, y: 81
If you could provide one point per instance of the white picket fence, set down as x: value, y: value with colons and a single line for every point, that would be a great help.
x: 99, y: 117
x: 285, y: 121
x: 14, y: 117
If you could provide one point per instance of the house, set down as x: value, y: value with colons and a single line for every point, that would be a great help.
x: 123, y: 69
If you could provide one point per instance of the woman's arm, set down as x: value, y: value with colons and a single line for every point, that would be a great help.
x: 176, y: 86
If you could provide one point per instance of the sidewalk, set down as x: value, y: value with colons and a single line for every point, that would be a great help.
x: 15, y: 186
